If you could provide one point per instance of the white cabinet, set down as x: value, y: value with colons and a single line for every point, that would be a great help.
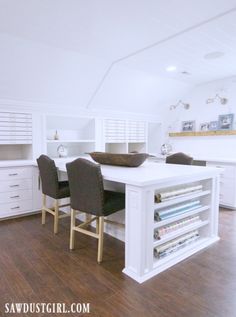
x: 227, y: 183
x: 122, y: 136
x: 15, y: 135
x: 37, y: 189
x: 15, y: 191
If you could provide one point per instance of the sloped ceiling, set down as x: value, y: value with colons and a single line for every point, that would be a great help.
x: 58, y: 51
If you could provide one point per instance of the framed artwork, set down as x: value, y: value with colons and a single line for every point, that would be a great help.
x: 225, y: 121
x: 213, y: 126
x: 204, y: 126
x: 188, y: 126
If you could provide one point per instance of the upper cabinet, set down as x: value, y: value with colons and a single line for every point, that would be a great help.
x: 15, y: 135
x: 75, y: 134
x: 125, y: 136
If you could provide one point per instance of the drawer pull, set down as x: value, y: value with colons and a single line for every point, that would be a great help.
x: 14, y: 185
x: 17, y: 196
x: 13, y: 174
x: 17, y: 207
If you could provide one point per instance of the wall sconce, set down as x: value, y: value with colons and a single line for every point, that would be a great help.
x: 222, y: 100
x: 186, y: 106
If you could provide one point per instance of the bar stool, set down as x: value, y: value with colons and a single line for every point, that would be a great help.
x: 88, y: 196
x: 53, y: 188
x: 179, y: 158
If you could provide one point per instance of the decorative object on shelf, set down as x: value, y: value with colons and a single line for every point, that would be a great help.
x: 225, y: 121
x: 62, y: 151
x: 185, y: 105
x: 56, y: 136
x: 188, y: 126
x: 213, y: 126
x: 130, y: 160
x: 204, y: 126
x: 166, y: 148
x: 222, y: 100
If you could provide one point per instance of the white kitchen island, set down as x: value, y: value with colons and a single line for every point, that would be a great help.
x: 141, y: 185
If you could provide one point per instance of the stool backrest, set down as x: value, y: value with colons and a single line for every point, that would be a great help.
x: 179, y: 158
x: 49, y: 177
x: 86, y: 186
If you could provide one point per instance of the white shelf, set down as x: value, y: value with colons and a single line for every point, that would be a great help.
x: 185, y: 250
x: 70, y: 141
x: 180, y: 232
x: 159, y: 224
x: 181, y: 199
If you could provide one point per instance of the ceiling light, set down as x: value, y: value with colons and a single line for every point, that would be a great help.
x: 171, y: 68
x: 214, y: 55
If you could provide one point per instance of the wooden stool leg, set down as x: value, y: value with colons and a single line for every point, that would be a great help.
x: 43, y: 210
x: 100, y: 239
x: 72, y: 231
x: 97, y: 225
x: 56, y: 216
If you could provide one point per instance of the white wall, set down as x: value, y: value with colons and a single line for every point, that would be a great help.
x: 217, y: 146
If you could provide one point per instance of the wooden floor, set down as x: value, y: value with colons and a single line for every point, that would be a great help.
x: 36, y: 266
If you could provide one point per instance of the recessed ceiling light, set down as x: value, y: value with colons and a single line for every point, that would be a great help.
x: 171, y: 68
x: 214, y: 55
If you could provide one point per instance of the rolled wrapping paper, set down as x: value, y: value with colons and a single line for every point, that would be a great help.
x: 177, y: 247
x: 164, y: 196
x: 161, y: 232
x: 176, y: 241
x: 160, y: 215
x: 175, y: 244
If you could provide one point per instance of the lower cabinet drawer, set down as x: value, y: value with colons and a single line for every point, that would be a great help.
x: 15, y: 173
x: 15, y: 185
x: 15, y: 208
x: 14, y: 196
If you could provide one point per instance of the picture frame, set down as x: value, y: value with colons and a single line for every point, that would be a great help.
x: 188, y: 126
x: 225, y: 121
x: 204, y: 126
x: 213, y: 126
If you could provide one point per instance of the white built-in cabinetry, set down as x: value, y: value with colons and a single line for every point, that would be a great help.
x: 227, y: 183
x: 77, y: 134
x: 16, y: 191
x: 125, y: 136
x: 15, y: 135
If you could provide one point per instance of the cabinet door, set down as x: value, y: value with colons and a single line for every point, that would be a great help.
x: 37, y: 190
x: 227, y: 183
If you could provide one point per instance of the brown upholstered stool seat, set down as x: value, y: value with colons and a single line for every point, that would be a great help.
x: 53, y: 188
x: 88, y: 196
x: 63, y: 190
x: 113, y: 201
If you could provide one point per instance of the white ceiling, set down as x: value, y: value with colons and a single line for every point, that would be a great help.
x: 109, y: 30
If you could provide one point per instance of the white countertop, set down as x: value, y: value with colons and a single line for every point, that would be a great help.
x: 149, y: 173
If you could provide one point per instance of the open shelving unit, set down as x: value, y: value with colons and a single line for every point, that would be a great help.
x: 203, y: 133
x: 77, y: 134
x: 173, y: 241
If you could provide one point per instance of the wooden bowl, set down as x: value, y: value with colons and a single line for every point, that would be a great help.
x: 130, y: 160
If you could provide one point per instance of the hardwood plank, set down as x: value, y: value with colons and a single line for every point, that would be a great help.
x: 37, y: 266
